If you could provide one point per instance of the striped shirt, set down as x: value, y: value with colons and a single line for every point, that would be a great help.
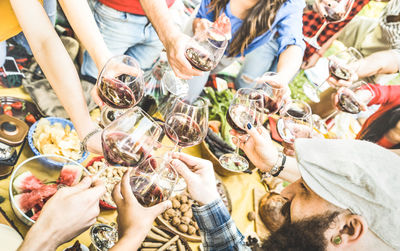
x: 391, y: 30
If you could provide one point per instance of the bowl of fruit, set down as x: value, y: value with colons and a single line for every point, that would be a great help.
x: 33, y: 183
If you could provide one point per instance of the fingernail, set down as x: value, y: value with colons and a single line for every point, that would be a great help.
x: 249, y: 126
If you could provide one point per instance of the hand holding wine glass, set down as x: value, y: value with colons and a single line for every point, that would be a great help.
x: 246, y: 108
x: 353, y: 99
x: 206, y: 48
x: 120, y: 84
x: 295, y: 122
x: 274, y: 92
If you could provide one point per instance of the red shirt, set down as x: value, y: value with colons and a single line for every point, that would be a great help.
x: 130, y: 6
x: 388, y: 96
x: 312, y: 22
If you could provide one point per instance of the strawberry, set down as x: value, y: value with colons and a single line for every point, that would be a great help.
x: 30, y: 118
x: 7, y: 110
x: 17, y: 105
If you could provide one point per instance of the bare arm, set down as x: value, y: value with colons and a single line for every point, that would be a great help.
x: 54, y: 61
x: 381, y: 62
x: 289, y: 63
x: 81, y: 19
x: 173, y: 39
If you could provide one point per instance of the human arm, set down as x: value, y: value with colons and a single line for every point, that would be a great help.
x: 216, y: 226
x: 311, y: 61
x: 262, y: 152
x: 67, y: 214
x: 290, y: 40
x: 173, y: 39
x: 56, y: 64
x: 134, y: 220
x: 82, y: 21
x: 381, y: 62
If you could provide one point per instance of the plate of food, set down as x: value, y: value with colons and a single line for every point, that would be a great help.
x: 20, y: 108
x: 33, y: 183
x: 111, y: 176
x: 56, y: 136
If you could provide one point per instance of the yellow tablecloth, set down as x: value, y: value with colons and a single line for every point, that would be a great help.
x: 239, y: 186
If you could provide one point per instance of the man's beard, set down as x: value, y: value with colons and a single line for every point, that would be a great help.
x: 303, y: 235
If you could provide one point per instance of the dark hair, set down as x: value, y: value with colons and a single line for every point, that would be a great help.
x: 380, y: 126
x: 257, y: 22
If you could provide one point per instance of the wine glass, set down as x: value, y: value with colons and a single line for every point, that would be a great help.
x: 120, y: 85
x: 206, y: 48
x: 333, y: 11
x: 273, y: 93
x: 164, y: 145
x: 246, y: 107
x: 295, y: 122
x: 342, y: 65
x: 187, y: 125
x: 128, y: 140
x: 153, y: 181
x: 355, y: 98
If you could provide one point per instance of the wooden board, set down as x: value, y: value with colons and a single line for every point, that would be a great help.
x: 261, y: 229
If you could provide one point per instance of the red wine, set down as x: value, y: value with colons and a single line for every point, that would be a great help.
x: 199, y: 60
x: 339, y: 72
x: 115, y: 93
x: 348, y: 103
x: 120, y: 150
x: 146, y: 193
x: 238, y: 117
x: 148, y: 104
x: 187, y: 130
x: 270, y: 105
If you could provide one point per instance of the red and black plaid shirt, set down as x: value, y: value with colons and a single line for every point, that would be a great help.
x: 312, y: 22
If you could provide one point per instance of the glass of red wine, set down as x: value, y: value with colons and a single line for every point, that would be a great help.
x: 120, y: 86
x: 295, y: 122
x: 153, y: 181
x: 187, y: 125
x: 355, y: 98
x: 164, y: 145
x: 205, y: 49
x: 272, y: 91
x: 246, y: 107
x: 128, y: 140
x: 333, y: 11
x: 342, y: 66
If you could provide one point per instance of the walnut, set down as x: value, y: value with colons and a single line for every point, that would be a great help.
x: 185, y: 220
x: 188, y: 214
x: 184, y: 199
x: 251, y: 216
x: 166, y: 216
x: 183, y: 228
x: 191, y: 230
x: 176, y: 203
x: 176, y: 221
x: 170, y: 212
x: 184, y: 208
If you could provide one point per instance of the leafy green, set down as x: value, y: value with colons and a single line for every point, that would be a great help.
x: 220, y: 101
x: 296, y: 86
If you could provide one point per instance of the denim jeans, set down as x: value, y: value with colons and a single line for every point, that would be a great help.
x: 124, y: 33
x: 50, y: 6
x: 256, y: 63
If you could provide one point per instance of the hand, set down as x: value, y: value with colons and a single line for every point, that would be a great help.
x: 199, y: 176
x: 310, y: 62
x: 134, y: 220
x: 96, y: 98
x: 176, y: 56
x: 67, y: 214
x: 335, y: 83
x: 277, y: 81
x: 202, y: 25
x: 259, y: 147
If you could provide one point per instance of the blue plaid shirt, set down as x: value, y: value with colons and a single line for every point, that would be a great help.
x: 217, y: 229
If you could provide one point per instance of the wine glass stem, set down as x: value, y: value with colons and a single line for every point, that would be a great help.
x: 179, y: 149
x: 320, y: 30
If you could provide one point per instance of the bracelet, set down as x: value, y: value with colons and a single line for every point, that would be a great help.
x: 87, y: 137
x: 277, y: 168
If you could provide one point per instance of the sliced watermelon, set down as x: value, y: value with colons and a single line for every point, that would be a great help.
x: 36, y: 215
x: 223, y: 24
x: 36, y: 198
x: 70, y: 175
x: 26, y: 182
